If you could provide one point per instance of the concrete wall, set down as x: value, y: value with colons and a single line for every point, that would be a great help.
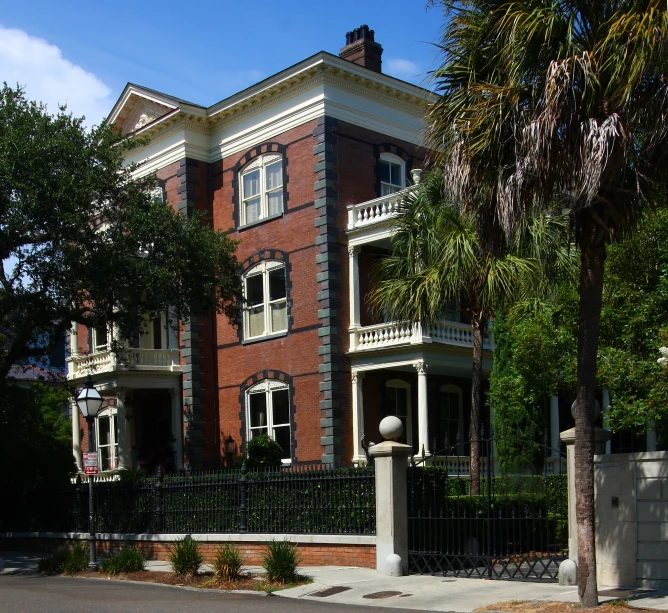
x: 632, y: 519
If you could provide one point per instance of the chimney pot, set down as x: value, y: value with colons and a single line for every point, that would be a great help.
x: 361, y: 49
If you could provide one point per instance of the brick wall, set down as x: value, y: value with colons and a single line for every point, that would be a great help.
x: 312, y: 554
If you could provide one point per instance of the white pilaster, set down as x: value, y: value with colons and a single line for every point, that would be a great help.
x: 423, y: 411
x: 74, y: 340
x: 76, y: 433
x: 554, y: 426
x: 177, y: 426
x: 122, y: 427
x: 354, y: 293
x: 605, y: 397
x: 358, y: 416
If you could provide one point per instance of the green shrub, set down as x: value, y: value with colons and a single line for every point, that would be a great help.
x: 185, y: 557
x: 264, y: 452
x: 77, y: 559
x: 55, y: 562
x: 128, y: 560
x: 227, y: 564
x: 280, y: 560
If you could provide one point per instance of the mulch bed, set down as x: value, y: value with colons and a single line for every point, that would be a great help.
x: 539, y: 606
x: 207, y: 581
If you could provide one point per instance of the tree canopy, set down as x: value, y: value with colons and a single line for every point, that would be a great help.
x: 83, y: 240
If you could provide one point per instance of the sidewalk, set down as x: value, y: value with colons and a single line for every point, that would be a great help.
x: 362, y: 586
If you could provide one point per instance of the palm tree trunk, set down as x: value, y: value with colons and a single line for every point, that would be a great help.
x: 592, y: 260
x: 478, y: 322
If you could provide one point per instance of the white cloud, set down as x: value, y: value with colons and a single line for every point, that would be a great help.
x: 403, y: 69
x: 50, y: 78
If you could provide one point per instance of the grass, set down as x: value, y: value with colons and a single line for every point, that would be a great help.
x: 185, y: 557
x: 228, y: 563
x: 280, y: 560
x: 65, y: 560
x: 128, y: 560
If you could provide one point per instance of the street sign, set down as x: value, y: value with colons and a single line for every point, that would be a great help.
x: 90, y: 463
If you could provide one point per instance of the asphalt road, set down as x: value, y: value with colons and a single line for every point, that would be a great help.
x: 40, y: 594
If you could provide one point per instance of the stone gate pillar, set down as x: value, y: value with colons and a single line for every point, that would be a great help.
x: 391, y: 464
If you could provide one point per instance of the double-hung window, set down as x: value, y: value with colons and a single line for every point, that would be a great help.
x: 107, y: 439
x: 98, y: 338
x: 266, y: 304
x: 262, y: 189
x: 392, y: 174
x: 268, y: 412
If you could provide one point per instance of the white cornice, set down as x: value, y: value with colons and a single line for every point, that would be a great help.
x: 323, y: 84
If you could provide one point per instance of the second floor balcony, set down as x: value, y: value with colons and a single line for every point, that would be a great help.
x: 126, y: 360
x: 401, y: 334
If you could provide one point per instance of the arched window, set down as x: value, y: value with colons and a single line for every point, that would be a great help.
x: 262, y: 188
x: 266, y: 304
x: 451, y: 418
x: 398, y: 403
x: 268, y: 412
x: 107, y: 439
x: 392, y: 170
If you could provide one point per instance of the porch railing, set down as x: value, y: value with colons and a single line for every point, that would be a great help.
x: 395, y: 334
x: 376, y: 211
x: 127, y: 359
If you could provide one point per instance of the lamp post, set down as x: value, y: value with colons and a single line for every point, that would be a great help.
x: 90, y: 401
x: 230, y: 449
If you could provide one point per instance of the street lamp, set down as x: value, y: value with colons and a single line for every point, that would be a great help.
x: 230, y: 449
x: 90, y: 401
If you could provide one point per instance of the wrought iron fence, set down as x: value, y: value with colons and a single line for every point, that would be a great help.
x: 514, y: 527
x: 317, y: 499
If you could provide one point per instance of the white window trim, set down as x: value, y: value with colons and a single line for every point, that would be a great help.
x: 266, y: 387
x: 401, y: 384
x: 260, y: 162
x: 455, y: 389
x: 394, y: 159
x: 112, y: 413
x: 96, y: 348
x: 263, y: 269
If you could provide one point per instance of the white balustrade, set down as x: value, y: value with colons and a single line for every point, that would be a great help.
x: 384, y: 335
x: 376, y: 211
x: 393, y: 334
x: 132, y: 359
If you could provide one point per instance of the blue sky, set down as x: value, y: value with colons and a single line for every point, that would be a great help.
x: 83, y: 54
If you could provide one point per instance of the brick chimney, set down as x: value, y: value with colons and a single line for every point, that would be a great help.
x: 361, y: 49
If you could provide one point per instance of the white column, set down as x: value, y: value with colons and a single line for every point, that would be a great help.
x: 74, y: 340
x: 554, y: 426
x: 177, y: 425
x: 605, y: 397
x: 122, y: 427
x: 172, y: 329
x: 423, y: 412
x: 76, y: 433
x: 354, y: 292
x: 358, y: 416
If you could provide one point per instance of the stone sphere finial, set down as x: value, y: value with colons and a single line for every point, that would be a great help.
x: 391, y: 428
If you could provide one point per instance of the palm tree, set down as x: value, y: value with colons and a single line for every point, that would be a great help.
x: 545, y: 101
x: 437, y: 258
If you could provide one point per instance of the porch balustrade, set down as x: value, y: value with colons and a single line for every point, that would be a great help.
x: 152, y: 360
x: 395, y: 334
x: 376, y: 211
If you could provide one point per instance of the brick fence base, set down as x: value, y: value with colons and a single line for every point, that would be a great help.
x: 314, y: 550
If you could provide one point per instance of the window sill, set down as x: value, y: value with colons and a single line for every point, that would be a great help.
x: 268, y: 337
x: 259, y: 222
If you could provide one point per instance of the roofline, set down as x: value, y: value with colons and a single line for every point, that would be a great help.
x: 321, y: 57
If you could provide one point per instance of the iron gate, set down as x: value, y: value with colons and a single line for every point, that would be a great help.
x: 515, y: 527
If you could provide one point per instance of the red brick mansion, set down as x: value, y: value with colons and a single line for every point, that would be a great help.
x: 306, y: 168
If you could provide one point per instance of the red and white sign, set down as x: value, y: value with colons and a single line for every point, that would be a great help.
x: 90, y: 463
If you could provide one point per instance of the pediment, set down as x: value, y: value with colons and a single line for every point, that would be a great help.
x: 138, y: 111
